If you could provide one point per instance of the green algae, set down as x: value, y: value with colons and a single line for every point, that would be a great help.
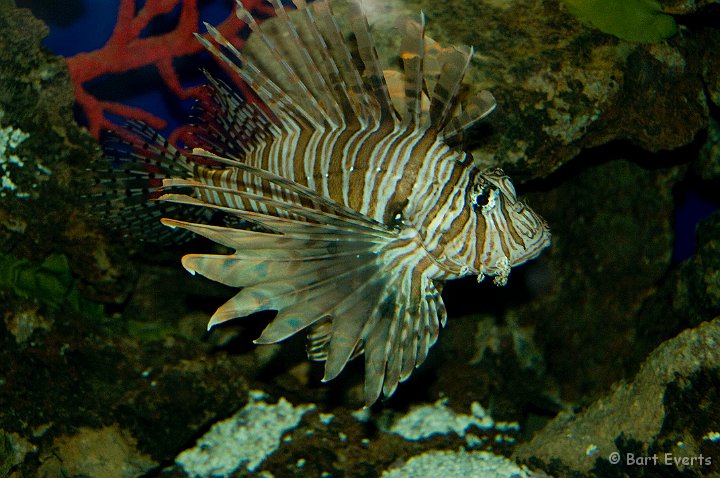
x: 632, y: 20
x: 50, y: 282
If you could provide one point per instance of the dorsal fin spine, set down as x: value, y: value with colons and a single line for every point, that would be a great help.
x: 412, y: 54
x: 352, y: 81
x: 373, y: 73
x: 336, y: 87
x: 312, y: 112
x: 273, y: 96
x: 446, y: 89
x: 323, y: 95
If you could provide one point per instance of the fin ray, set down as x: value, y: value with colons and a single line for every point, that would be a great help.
x: 412, y: 55
x: 444, y: 94
x: 373, y: 74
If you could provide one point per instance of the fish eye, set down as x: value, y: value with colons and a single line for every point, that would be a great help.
x: 480, y: 195
x: 481, y: 199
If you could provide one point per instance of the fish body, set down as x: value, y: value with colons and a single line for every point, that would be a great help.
x: 362, y: 206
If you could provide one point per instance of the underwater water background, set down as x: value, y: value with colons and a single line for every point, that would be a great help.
x: 81, y: 26
x: 168, y: 405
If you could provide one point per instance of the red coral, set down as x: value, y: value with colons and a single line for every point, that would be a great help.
x: 126, y: 50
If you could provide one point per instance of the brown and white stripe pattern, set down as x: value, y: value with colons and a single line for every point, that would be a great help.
x: 363, y: 205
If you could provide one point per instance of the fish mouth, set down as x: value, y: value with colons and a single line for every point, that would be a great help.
x: 530, y: 253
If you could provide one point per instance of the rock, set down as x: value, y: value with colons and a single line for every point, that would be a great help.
x: 13, y: 449
x: 242, y: 441
x: 612, y: 241
x: 459, y: 464
x: 562, y: 90
x: 77, y: 372
x: 427, y: 420
x: 707, y: 166
x: 709, y: 39
x: 689, y: 295
x: 46, y: 171
x: 101, y: 453
x: 667, y: 410
x: 145, y: 383
x: 685, y: 7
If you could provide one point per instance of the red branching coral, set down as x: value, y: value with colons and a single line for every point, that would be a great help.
x: 126, y: 50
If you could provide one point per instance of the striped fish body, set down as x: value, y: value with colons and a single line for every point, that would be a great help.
x: 362, y: 207
x: 379, y: 173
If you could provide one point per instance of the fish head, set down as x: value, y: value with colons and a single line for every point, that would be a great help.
x: 508, y: 231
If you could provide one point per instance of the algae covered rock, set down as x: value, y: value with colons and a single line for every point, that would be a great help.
x: 101, y: 453
x: 563, y: 86
x: 687, y: 296
x: 684, y: 7
x: 612, y: 242
x: 44, y: 156
x: 458, y: 465
x: 707, y: 165
x: 77, y: 391
x: 646, y: 417
x: 143, y: 385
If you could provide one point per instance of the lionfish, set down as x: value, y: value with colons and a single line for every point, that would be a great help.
x: 360, y: 204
